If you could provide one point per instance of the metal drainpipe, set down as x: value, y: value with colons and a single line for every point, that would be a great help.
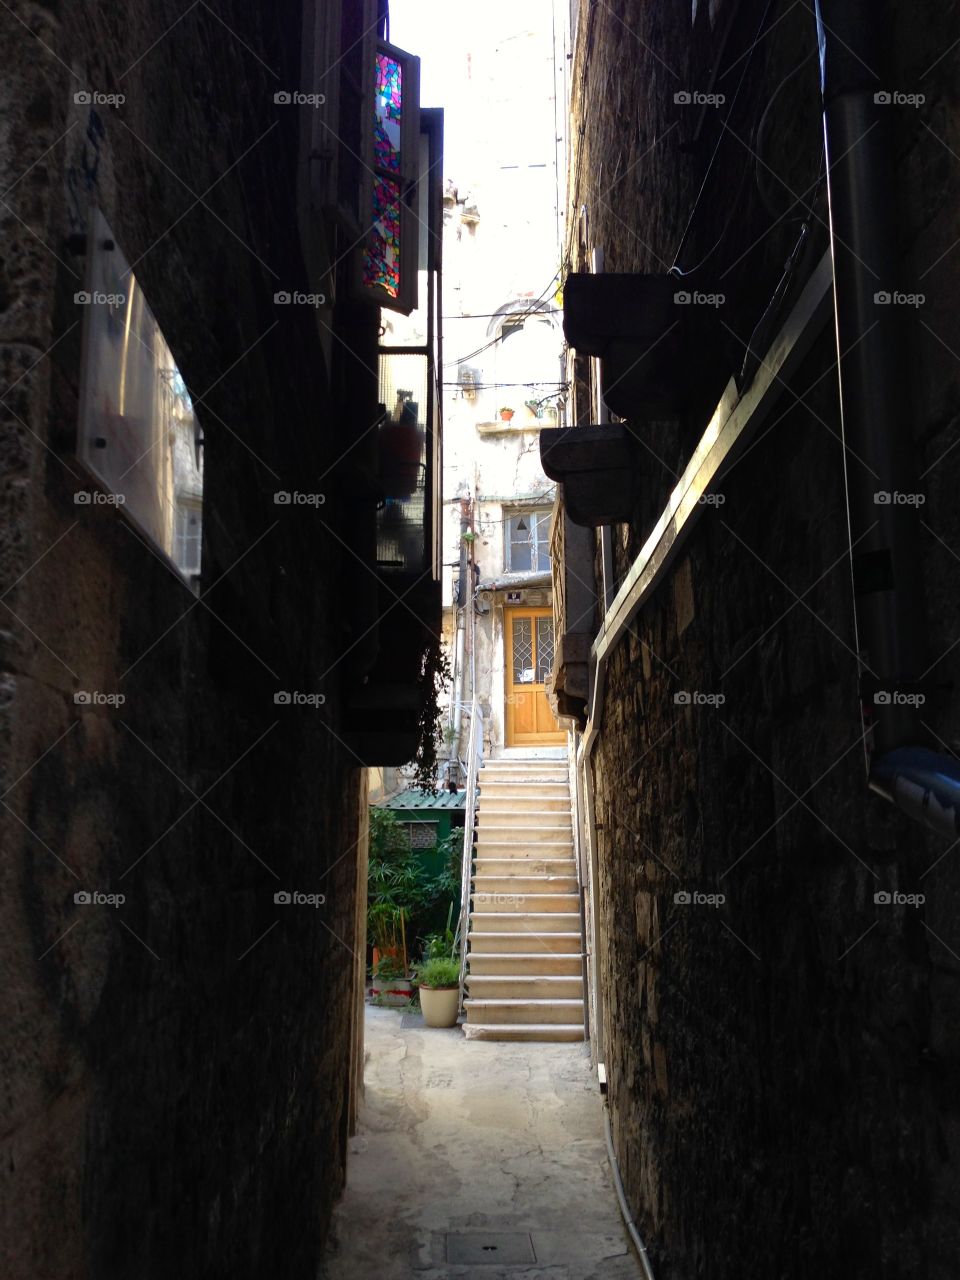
x: 876, y: 415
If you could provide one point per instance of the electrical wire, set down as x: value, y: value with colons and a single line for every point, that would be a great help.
x: 449, y: 364
x: 676, y: 269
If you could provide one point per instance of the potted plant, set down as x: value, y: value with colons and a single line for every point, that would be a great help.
x: 390, y: 984
x: 506, y: 413
x: 439, y: 983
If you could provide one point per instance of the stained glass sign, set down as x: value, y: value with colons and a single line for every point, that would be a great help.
x: 388, y: 260
x: 388, y: 113
x: 381, y: 263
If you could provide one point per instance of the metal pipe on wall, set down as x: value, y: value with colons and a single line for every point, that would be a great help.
x: 876, y: 418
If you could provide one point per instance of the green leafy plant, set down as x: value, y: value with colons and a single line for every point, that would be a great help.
x: 444, y: 971
x: 437, y: 946
x: 388, y: 968
x: 435, y: 677
x: 396, y: 885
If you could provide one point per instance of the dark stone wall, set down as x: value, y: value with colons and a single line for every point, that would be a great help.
x: 176, y: 1070
x: 782, y: 1066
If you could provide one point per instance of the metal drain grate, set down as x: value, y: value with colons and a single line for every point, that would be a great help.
x: 503, y: 1248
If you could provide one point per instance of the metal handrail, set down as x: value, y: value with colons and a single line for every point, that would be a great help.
x: 474, y: 759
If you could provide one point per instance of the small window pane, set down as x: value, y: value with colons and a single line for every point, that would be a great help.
x: 388, y: 114
x: 381, y: 261
x: 544, y: 649
x: 522, y: 651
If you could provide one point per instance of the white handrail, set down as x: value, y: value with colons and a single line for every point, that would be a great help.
x: 474, y: 757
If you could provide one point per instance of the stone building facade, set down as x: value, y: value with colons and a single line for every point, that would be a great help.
x: 183, y: 797
x: 781, y: 1051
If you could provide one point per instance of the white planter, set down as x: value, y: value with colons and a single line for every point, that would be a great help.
x: 440, y: 1005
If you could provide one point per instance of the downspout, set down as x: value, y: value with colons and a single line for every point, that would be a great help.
x: 876, y: 417
x: 461, y: 604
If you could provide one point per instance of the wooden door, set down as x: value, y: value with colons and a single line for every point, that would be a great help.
x: 528, y: 639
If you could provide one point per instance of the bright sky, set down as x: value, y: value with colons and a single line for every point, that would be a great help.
x: 455, y: 39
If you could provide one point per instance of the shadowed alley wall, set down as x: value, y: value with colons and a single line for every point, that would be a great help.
x: 176, y: 1068
x: 783, y: 1066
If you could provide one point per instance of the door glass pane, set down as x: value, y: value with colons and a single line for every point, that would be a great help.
x: 523, y: 669
x: 544, y: 649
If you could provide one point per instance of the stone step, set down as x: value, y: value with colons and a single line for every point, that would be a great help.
x: 537, y: 922
x: 525, y: 986
x: 505, y: 1010
x: 554, y: 833
x: 548, y: 792
x: 543, y: 1033
x: 526, y: 884
x: 532, y: 865
x: 525, y: 963
x: 514, y: 902
x: 498, y: 772
x: 508, y: 845
x: 485, y: 941
x: 500, y: 815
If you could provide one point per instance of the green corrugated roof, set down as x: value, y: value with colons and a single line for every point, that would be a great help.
x: 414, y: 798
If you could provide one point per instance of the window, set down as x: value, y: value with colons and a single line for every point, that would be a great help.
x: 187, y: 537
x: 527, y: 547
x: 423, y: 835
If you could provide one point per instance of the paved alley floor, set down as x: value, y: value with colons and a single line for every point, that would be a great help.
x: 465, y: 1145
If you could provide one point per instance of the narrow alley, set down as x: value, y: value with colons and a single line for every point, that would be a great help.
x: 478, y: 1160
x: 480, y: 639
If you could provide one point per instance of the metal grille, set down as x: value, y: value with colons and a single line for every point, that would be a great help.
x: 523, y: 671
x: 544, y: 649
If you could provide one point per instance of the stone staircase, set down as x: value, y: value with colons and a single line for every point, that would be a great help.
x: 524, y: 949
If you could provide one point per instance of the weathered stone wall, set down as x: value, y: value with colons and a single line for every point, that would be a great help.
x: 176, y: 1069
x: 782, y: 1067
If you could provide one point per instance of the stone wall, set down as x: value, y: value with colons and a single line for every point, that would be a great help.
x: 176, y: 1068
x: 782, y: 1066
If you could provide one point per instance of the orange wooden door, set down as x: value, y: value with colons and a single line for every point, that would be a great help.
x: 528, y: 639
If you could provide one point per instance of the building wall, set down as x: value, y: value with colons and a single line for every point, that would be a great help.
x: 781, y: 1066
x: 176, y: 1069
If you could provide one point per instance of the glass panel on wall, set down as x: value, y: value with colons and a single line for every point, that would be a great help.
x: 388, y: 113
x: 138, y: 433
x: 381, y: 262
x: 403, y: 462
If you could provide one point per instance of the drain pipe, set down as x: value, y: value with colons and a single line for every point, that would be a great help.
x: 628, y: 1219
x: 876, y: 416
